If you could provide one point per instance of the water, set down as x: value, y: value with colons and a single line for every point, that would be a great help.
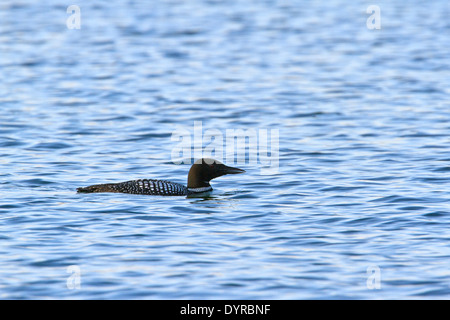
x: 359, y: 208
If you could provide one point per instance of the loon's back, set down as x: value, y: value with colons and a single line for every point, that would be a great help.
x: 141, y: 186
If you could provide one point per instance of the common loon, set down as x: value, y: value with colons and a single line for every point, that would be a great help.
x: 201, y: 172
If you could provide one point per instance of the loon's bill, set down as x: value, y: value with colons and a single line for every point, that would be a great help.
x: 200, y: 174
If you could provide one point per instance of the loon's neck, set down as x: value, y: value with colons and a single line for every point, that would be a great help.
x: 196, y: 182
x: 197, y: 185
x: 197, y: 178
x: 200, y: 190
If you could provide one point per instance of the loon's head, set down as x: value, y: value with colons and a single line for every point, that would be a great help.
x: 204, y: 170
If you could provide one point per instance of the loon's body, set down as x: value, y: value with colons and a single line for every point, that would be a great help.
x: 201, y: 172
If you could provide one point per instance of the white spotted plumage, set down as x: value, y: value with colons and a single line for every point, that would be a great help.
x: 151, y: 187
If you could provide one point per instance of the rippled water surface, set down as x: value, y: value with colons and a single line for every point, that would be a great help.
x: 359, y: 208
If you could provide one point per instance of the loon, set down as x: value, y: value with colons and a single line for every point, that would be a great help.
x: 201, y: 172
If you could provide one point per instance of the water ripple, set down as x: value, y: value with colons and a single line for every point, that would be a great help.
x: 363, y: 151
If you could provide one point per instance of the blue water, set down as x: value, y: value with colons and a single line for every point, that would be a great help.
x: 358, y: 210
